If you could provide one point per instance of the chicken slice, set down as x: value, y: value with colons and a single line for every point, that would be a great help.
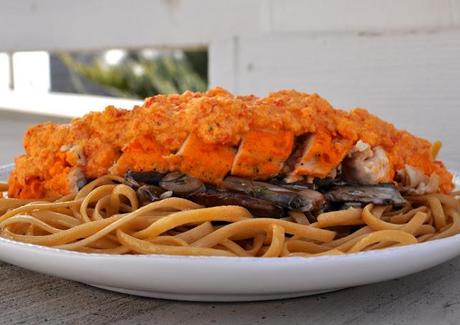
x: 318, y: 155
x: 142, y: 154
x: 414, y: 181
x: 208, y: 162
x: 262, y: 153
x: 366, y: 165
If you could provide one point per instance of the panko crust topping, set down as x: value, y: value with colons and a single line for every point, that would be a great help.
x: 209, y: 135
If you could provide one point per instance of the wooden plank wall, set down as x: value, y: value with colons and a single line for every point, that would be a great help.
x: 88, y: 24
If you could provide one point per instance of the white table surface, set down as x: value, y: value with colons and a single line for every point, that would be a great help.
x: 429, y: 297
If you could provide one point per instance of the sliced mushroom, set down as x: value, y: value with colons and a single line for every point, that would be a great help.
x: 327, y: 183
x: 266, y: 191
x: 181, y: 184
x: 249, y: 186
x: 149, y: 193
x: 298, y: 186
x: 136, y: 179
x: 312, y: 200
x: 287, y: 198
x: 382, y: 194
x: 258, y: 207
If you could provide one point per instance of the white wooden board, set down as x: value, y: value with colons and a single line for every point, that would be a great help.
x: 363, y: 15
x: 87, y: 24
x: 59, y: 104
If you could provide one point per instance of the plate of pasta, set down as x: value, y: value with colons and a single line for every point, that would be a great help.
x: 235, y: 206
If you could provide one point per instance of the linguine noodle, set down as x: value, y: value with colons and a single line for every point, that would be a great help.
x: 105, y: 216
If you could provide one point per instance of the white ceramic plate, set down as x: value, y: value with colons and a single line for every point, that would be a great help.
x: 227, y: 278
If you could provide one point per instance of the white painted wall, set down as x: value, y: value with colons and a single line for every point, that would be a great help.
x: 31, y: 71
x: 363, y: 15
x: 350, y: 69
x: 89, y: 24
x: 4, y: 71
x: 59, y: 104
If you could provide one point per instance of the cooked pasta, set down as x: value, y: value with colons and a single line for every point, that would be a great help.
x: 105, y: 216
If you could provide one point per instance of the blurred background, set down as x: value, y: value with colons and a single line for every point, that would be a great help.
x: 399, y: 59
x: 135, y: 73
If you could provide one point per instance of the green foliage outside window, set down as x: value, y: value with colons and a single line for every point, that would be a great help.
x: 140, y: 77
